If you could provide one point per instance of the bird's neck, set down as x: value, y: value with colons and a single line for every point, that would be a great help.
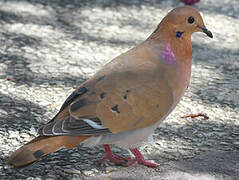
x: 180, y: 46
x: 179, y: 49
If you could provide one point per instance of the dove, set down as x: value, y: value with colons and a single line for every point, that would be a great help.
x: 124, y: 102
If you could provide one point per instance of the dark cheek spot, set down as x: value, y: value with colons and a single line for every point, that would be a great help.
x: 125, y: 96
x: 179, y: 34
x: 102, y: 95
x: 38, y: 154
x: 157, y: 105
x: 115, y: 109
x: 100, y: 78
x: 78, y: 104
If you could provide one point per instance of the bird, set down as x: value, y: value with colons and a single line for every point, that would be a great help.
x: 125, y: 101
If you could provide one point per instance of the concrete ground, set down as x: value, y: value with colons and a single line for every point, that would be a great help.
x: 48, y: 48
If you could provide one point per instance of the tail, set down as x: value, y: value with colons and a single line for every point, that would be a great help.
x: 41, y: 146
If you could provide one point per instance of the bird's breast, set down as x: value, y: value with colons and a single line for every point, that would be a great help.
x: 180, y: 80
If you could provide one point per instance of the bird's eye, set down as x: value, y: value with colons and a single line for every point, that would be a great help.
x: 191, y: 20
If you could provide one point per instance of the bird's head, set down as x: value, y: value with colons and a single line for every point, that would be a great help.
x: 183, y: 21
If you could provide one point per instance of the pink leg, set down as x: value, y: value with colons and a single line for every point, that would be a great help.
x: 113, y: 158
x: 140, y: 159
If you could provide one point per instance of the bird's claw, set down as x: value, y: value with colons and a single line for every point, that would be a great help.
x: 127, y: 161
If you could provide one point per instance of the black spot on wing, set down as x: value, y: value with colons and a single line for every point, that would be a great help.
x: 69, y: 100
x: 81, y: 90
x: 79, y: 104
x: 115, y: 108
x: 38, y: 154
x: 126, y: 95
x: 128, y: 91
x: 102, y: 95
x: 73, y: 96
x: 100, y: 78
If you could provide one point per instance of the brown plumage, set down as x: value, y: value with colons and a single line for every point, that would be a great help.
x: 41, y: 146
x: 127, y: 99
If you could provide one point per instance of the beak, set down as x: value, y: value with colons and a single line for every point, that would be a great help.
x: 206, y: 31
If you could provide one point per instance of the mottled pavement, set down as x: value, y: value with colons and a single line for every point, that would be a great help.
x: 49, y: 47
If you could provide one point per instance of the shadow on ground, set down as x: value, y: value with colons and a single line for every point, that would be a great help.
x: 217, y: 161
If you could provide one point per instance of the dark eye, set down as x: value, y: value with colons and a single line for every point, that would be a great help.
x: 191, y: 20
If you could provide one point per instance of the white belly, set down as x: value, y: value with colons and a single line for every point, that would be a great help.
x: 126, y: 139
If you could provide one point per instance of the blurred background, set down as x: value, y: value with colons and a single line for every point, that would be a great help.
x: 48, y: 48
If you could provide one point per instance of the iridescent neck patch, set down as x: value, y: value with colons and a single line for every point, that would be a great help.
x: 168, y: 55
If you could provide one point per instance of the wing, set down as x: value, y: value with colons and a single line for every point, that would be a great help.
x: 126, y: 94
x: 66, y: 124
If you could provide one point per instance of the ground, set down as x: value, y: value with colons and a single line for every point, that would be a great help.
x: 48, y: 48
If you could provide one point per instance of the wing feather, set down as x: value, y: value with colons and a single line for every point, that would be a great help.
x: 126, y: 94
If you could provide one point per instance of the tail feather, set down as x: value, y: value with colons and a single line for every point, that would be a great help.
x: 41, y: 146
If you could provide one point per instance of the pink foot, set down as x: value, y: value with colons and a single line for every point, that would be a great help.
x: 190, y: 2
x: 140, y: 159
x: 126, y: 161
x: 113, y: 158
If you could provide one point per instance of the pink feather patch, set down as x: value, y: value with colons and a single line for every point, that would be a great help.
x: 168, y: 55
